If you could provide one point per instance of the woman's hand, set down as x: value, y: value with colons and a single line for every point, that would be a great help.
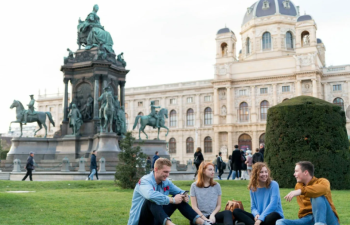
x: 258, y: 222
x: 256, y: 217
x: 212, y: 219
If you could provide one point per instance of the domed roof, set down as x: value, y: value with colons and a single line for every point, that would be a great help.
x: 304, y: 18
x: 263, y: 8
x: 224, y: 30
x: 319, y: 41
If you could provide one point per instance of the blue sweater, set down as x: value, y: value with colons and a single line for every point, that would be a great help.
x: 266, y: 200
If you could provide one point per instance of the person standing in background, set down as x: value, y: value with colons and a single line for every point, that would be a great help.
x: 155, y: 157
x: 29, y: 167
x: 198, y: 159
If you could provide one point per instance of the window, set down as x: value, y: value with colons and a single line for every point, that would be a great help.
x: 172, y: 101
x: 172, y: 145
x: 337, y: 87
x: 289, y: 40
x: 305, y: 38
x: 189, y: 100
x: 156, y: 102
x: 245, y: 142
x: 208, y: 116
x: 266, y: 41
x: 207, y: 98
x: 208, y: 145
x: 140, y: 104
x: 126, y: 121
x: 224, y: 49
x: 285, y: 88
x: 247, y: 46
x: 339, y: 102
x: 264, y: 106
x: 242, y: 92
x: 189, y: 145
x: 190, y: 118
x: 266, y: 5
x: 173, y: 118
x: 286, y: 4
x: 243, y: 112
x: 263, y: 90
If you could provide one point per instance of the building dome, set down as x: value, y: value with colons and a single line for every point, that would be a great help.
x: 264, y: 8
x: 319, y: 41
x: 224, y: 30
x: 304, y: 18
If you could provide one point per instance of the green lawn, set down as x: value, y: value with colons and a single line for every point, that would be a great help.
x: 101, y: 202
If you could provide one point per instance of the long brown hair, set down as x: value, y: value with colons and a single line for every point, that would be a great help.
x: 199, y: 149
x: 254, y: 183
x: 203, y: 166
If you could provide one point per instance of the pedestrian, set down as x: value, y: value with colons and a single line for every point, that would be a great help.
x: 236, y: 165
x: 220, y: 165
x: 215, y: 162
x: 249, y: 162
x: 93, y: 165
x: 96, y: 174
x: 155, y: 157
x: 229, y: 166
x: 266, y: 206
x: 148, y: 165
x: 262, y: 149
x: 244, y: 174
x: 29, y: 167
x: 198, y: 159
x: 206, y: 197
x: 258, y: 157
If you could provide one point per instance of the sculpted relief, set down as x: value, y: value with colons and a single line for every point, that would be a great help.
x: 305, y: 60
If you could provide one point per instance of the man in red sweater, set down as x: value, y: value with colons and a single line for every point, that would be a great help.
x: 314, y: 198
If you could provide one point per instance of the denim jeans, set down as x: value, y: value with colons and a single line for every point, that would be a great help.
x: 233, y: 172
x: 93, y: 171
x: 322, y: 214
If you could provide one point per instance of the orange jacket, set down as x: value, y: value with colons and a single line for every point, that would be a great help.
x: 315, y: 188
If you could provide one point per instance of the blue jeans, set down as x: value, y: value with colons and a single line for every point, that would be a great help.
x: 93, y: 171
x: 322, y: 214
x: 216, y: 169
x: 233, y: 172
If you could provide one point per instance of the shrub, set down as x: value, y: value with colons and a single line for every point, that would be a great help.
x: 3, y: 154
x: 130, y: 166
x: 308, y: 129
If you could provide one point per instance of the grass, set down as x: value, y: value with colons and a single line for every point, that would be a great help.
x: 101, y: 202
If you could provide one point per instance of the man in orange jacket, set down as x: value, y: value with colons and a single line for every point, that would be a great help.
x: 314, y: 198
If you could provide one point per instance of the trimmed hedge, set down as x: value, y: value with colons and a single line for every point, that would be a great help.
x: 308, y: 129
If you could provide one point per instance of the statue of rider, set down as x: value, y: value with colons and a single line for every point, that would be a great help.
x: 30, y: 110
x: 103, y: 98
x: 154, y: 113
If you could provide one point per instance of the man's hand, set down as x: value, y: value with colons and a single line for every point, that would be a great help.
x: 258, y: 222
x: 292, y: 194
x: 256, y: 218
x: 179, y: 198
x: 186, y: 198
x: 212, y: 219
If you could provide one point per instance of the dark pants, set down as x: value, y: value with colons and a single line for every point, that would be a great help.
x: 95, y: 174
x: 197, y: 166
x: 153, y: 214
x: 248, y: 218
x: 221, y: 171
x: 29, y: 173
x: 224, y: 217
x: 238, y: 174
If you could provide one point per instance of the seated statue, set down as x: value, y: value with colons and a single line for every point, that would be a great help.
x: 92, y: 34
x: 120, y: 58
x: 87, y: 109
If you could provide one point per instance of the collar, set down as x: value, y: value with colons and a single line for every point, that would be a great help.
x: 155, y: 182
x: 312, y: 181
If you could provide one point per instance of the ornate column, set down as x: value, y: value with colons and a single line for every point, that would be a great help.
x: 229, y: 142
x: 217, y: 144
x: 253, y: 109
x: 255, y: 140
x: 216, y: 106
x: 298, y: 87
x: 96, y: 95
x: 228, y: 105
x: 325, y: 91
x: 122, y: 93
x: 314, y: 88
x: 65, y: 100
x: 274, y: 89
x: 180, y: 124
x: 198, y: 112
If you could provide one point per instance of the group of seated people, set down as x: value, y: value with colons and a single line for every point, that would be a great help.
x: 152, y: 204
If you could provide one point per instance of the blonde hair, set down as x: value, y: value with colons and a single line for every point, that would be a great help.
x: 254, y: 183
x: 162, y: 162
x: 203, y: 166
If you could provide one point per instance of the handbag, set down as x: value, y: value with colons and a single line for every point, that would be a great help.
x: 196, y: 161
x: 242, y: 158
x: 232, y: 205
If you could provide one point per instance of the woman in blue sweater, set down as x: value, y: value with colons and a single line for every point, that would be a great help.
x: 265, y: 199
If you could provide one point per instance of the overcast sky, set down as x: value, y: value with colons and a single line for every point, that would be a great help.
x: 163, y: 41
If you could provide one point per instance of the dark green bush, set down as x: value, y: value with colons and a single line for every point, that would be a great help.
x: 3, y: 154
x: 308, y: 129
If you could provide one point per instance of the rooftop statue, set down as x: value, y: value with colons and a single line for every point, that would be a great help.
x: 75, y: 119
x: 120, y: 58
x: 91, y: 33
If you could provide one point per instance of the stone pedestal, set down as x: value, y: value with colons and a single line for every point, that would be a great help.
x: 65, y: 165
x: 149, y: 147
x: 16, y: 165
x: 107, y: 146
x: 102, y: 165
x: 82, y: 164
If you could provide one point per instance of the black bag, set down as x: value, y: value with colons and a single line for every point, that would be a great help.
x: 196, y: 161
x: 223, y: 165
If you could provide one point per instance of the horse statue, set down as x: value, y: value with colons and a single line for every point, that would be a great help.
x: 151, y: 121
x: 39, y: 117
x: 108, y: 113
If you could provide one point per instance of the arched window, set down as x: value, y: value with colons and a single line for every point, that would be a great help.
x: 208, y: 145
x: 138, y: 122
x: 289, y: 40
x: 172, y: 118
x: 126, y: 121
x: 245, y: 142
x: 247, y: 46
x: 189, y: 145
x: 264, y: 106
x: 224, y: 49
x: 305, y: 38
x: 208, y: 116
x: 266, y: 41
x: 190, y: 117
x: 172, y: 145
x: 262, y: 139
x: 243, y: 112
x: 339, y: 102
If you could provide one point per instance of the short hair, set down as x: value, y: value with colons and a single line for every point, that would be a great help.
x: 236, y: 146
x: 306, y: 165
x: 219, y: 153
x: 93, y: 151
x: 156, y: 153
x: 257, y: 150
x: 162, y: 162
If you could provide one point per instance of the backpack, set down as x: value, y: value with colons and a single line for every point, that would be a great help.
x: 223, y: 165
